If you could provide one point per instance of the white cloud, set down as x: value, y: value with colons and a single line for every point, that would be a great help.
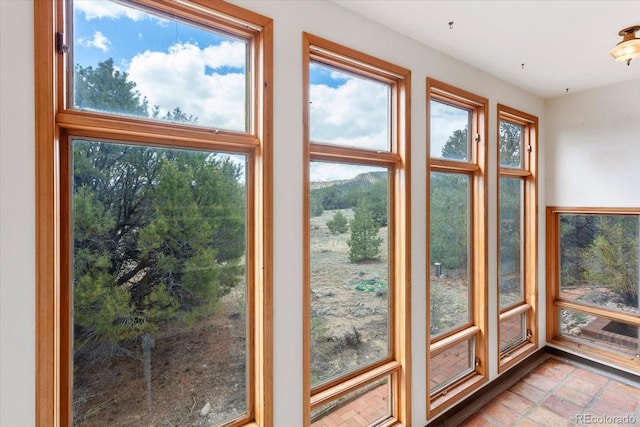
x: 227, y: 53
x: 445, y: 120
x: 99, y: 41
x: 94, y: 9
x: 177, y: 79
x: 354, y: 114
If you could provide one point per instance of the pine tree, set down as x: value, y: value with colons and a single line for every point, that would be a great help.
x: 159, y: 234
x: 449, y: 198
x: 364, y: 243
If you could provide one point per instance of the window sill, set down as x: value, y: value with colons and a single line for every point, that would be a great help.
x: 582, y: 349
x: 514, y: 356
x: 455, y: 394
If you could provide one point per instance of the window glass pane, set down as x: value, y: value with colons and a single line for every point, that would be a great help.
x: 450, y: 246
x: 159, y: 285
x: 511, y: 144
x: 452, y: 364
x: 513, y: 331
x: 511, y: 245
x: 349, y: 268
x: 349, y: 110
x: 363, y: 407
x: 599, y: 260
x: 450, y: 137
x: 133, y: 61
x: 612, y: 335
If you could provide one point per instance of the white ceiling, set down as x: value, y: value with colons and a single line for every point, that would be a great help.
x: 562, y: 44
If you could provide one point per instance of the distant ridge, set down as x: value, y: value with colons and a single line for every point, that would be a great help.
x: 363, y: 180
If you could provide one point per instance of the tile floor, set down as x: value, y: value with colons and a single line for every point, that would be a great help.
x: 557, y: 393
x: 563, y: 393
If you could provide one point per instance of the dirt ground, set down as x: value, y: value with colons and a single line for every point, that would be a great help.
x: 349, y: 303
x: 190, y: 368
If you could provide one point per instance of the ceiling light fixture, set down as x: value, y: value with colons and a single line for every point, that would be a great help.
x: 629, y: 47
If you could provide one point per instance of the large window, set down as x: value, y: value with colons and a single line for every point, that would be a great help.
x: 593, y: 282
x: 153, y: 151
x: 517, y: 229
x: 456, y: 354
x: 356, y: 236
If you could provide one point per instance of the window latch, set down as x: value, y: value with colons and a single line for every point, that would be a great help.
x: 61, y: 47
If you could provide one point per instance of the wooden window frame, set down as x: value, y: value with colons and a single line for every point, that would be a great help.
x: 528, y: 174
x: 397, y: 366
x: 55, y: 123
x: 475, y: 168
x: 555, y: 303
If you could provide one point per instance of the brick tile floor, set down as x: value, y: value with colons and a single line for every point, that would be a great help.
x: 563, y: 393
x: 557, y: 393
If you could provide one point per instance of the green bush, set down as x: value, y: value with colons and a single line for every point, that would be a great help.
x: 338, y: 224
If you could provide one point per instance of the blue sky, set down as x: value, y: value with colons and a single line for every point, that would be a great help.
x: 122, y: 33
x: 173, y: 64
x: 203, y: 73
x: 320, y: 74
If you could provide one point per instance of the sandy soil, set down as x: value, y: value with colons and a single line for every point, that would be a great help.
x: 190, y: 368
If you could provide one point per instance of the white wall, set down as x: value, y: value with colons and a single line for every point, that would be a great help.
x: 321, y: 18
x: 593, y: 147
x: 17, y: 215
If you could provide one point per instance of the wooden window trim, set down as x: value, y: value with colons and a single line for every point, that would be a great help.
x: 442, y: 165
x: 514, y: 173
x: 53, y: 123
x: 397, y: 160
x: 443, y: 401
x: 528, y: 175
x: 476, y: 168
x: 453, y: 339
x: 354, y: 383
x: 514, y: 311
x: 331, y: 153
x: 530, y: 123
x: 555, y: 303
x: 151, y: 131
